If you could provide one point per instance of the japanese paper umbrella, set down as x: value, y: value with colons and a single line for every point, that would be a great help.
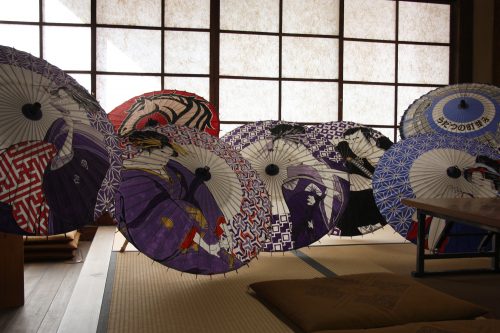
x: 59, y: 156
x: 471, y: 110
x: 190, y: 202
x: 430, y: 166
x: 359, y: 148
x: 307, y: 193
x: 165, y: 107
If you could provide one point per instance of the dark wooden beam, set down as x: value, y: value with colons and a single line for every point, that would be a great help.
x: 461, y: 52
x: 496, y: 44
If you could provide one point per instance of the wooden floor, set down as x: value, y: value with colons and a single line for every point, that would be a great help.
x: 48, y: 288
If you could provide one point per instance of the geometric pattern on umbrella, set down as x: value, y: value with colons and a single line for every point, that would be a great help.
x: 165, y: 106
x: 427, y: 166
x: 190, y: 202
x: 308, y: 195
x: 22, y: 167
x: 359, y: 148
x: 471, y: 110
x: 40, y: 102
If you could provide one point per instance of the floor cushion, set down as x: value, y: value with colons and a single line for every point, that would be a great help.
x: 357, y: 301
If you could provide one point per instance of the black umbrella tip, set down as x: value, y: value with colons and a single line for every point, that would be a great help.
x: 32, y: 111
x: 463, y: 104
x: 203, y: 173
x: 272, y: 169
x: 453, y: 172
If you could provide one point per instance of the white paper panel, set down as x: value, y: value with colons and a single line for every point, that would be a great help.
x: 21, y: 37
x: 66, y: 11
x: 248, y: 100
x: 19, y: 10
x: 187, y: 52
x: 311, y: 16
x: 128, y: 50
x: 309, y: 101
x: 83, y: 80
x: 388, y: 132
x: 225, y: 128
x: 365, y: 61
x: 196, y: 85
x: 370, y: 19
x: 368, y: 104
x: 73, y: 53
x: 113, y: 90
x: 306, y: 57
x: 187, y: 13
x: 249, y: 55
x: 407, y: 95
x: 130, y: 12
x: 423, y: 64
x: 424, y: 22
x: 249, y: 15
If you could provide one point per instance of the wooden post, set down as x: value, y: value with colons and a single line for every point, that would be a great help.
x: 11, y: 270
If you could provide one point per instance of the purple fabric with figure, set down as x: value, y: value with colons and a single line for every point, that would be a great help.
x: 54, y: 127
x: 308, y: 192
x: 190, y: 202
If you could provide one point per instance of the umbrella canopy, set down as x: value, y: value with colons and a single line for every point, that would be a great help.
x: 165, y: 107
x: 307, y: 194
x: 470, y: 110
x: 190, y: 202
x: 359, y: 148
x: 430, y: 166
x: 59, y: 156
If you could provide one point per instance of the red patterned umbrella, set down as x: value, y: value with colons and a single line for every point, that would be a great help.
x: 165, y: 107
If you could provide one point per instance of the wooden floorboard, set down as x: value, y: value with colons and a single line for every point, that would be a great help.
x: 82, y: 313
x: 48, y: 287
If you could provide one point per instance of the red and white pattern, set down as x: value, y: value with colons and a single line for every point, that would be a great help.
x: 21, y: 172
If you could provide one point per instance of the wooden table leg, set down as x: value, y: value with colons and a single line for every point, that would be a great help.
x: 11, y: 270
x: 420, y: 245
x: 495, y: 261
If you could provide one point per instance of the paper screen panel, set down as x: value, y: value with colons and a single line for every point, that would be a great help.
x: 187, y: 13
x: 249, y: 55
x: 248, y: 100
x: 369, y: 61
x: 130, y: 12
x: 73, y: 53
x: 309, y: 101
x: 368, y: 104
x: 311, y: 17
x: 250, y: 15
x: 128, y: 50
x: 67, y: 11
x: 370, y: 19
x: 424, y: 22
x: 187, y: 52
x: 423, y: 64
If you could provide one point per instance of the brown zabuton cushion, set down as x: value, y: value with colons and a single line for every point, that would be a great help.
x: 361, y: 301
x: 450, y: 326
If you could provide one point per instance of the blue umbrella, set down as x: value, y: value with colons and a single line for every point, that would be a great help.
x: 430, y: 166
x: 470, y: 110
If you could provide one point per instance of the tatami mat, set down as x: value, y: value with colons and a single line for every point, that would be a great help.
x: 148, y: 297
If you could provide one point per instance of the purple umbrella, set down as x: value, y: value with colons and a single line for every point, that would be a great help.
x: 359, y: 148
x: 308, y: 194
x: 59, y: 157
x: 190, y: 202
